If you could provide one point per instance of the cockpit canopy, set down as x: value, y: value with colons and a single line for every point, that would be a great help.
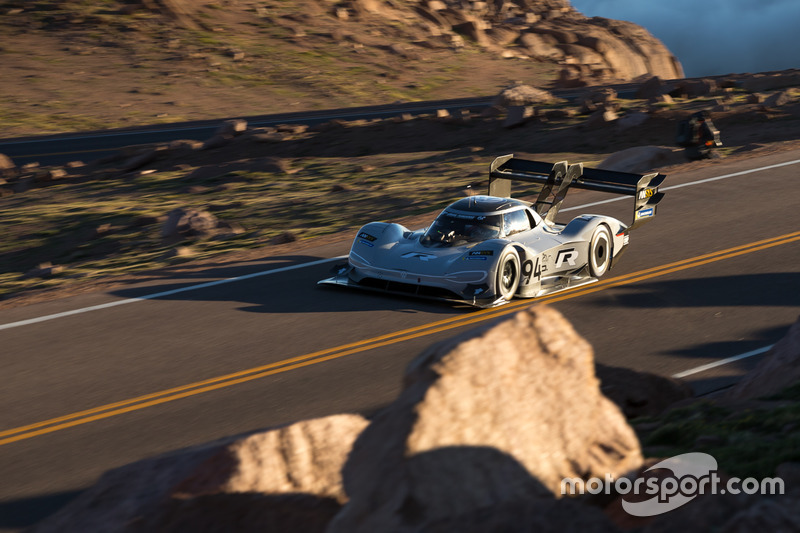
x: 456, y: 229
x: 476, y: 219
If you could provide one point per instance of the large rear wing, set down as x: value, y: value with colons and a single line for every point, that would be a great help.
x: 557, y: 178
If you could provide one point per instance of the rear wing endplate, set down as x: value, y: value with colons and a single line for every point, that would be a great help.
x: 557, y: 178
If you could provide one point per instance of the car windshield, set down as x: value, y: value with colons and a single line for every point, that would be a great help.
x: 455, y: 229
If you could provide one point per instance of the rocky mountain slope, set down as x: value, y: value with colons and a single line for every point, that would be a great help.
x: 74, y: 65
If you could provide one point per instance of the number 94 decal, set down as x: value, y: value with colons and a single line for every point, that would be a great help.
x: 531, y: 269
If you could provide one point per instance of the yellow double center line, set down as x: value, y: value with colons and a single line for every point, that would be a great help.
x: 192, y: 389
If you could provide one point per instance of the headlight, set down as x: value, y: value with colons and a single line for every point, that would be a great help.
x: 471, y: 276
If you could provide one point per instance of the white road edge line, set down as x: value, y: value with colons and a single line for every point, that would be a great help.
x: 715, y: 364
x: 166, y: 293
x: 322, y: 261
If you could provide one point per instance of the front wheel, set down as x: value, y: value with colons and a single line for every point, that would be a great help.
x: 600, y: 251
x: 507, y: 275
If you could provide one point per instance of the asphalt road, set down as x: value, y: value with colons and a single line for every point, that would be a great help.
x: 131, y: 375
x: 88, y: 146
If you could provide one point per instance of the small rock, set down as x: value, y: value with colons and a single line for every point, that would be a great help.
x: 233, y: 227
x: 405, y: 117
x: 777, y: 99
x: 662, y: 99
x: 6, y: 163
x: 102, y: 229
x: 51, y: 175
x: 146, y: 220
x: 632, y: 120
x: 556, y: 114
x: 232, y: 128
x: 755, y: 98
x: 23, y: 184
x: 225, y: 187
x: 217, y: 141
x: 140, y: 160
x: 522, y: 95
x: 44, y: 270
x: 651, y: 89
x: 179, y: 252
x: 600, y: 118
x: 294, y: 129
x: 269, y: 137
x: 188, y: 222
x: 474, y: 31
x: 518, y: 116
x: 185, y: 145
x: 283, y: 238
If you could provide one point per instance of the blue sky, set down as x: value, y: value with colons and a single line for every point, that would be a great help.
x: 715, y: 36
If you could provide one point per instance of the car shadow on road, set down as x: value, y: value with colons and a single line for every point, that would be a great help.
x: 276, y: 286
x: 227, y: 269
x: 778, y: 289
x: 754, y: 290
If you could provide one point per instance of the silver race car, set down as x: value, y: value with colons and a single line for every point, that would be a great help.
x: 485, y: 250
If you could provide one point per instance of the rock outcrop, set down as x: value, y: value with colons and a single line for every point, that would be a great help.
x: 591, y: 50
x: 495, y: 417
x: 287, y: 477
x: 600, y: 50
x: 640, y: 393
x: 779, y: 369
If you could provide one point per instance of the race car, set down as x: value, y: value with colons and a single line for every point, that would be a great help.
x: 485, y: 250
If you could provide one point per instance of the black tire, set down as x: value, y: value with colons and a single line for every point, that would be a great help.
x: 600, y: 251
x: 508, y: 274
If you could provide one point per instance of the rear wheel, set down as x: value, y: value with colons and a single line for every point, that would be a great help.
x: 507, y: 275
x: 600, y: 251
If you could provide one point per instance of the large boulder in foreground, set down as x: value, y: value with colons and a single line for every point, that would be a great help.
x: 287, y: 478
x: 780, y: 368
x: 494, y: 417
